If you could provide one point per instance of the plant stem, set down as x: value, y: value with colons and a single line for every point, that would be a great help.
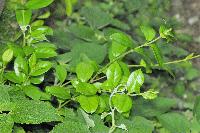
x: 62, y: 105
x: 122, y: 55
x: 168, y: 63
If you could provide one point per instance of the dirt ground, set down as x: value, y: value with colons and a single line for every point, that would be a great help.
x: 188, y: 13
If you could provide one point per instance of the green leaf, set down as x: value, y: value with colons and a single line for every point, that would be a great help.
x: 135, y: 81
x: 114, y: 73
x: 158, y: 55
x: 83, y: 32
x: 40, y: 68
x: 70, y: 127
x: 20, y: 65
x: 45, y: 52
x: 37, y: 4
x: 60, y: 92
x: 86, y: 88
x: 122, y: 102
x: 61, y: 73
x: 96, y: 17
x: 102, y: 105
x: 137, y: 124
x: 32, y: 92
x: 88, y: 103
x: 165, y: 32
x: 15, y: 78
x: 89, y: 49
x: 152, y: 108
x: 4, y: 96
x: 37, y: 80
x: 99, y: 125
x: 7, y: 56
x: 28, y: 50
x: 69, y: 7
x: 6, y: 123
x: 174, y: 122
x: 23, y: 17
x: 32, y: 61
x: 45, y: 15
x: 116, y: 50
x: 122, y: 39
x: 150, y: 94
x: 196, y: 110
x: 148, y: 32
x: 34, y: 112
x: 85, y: 75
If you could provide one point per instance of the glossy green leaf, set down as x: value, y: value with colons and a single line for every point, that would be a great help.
x: 148, y: 32
x: 45, y: 15
x: 122, y: 102
x: 6, y: 123
x: 61, y: 73
x: 86, y: 88
x: 88, y: 103
x: 28, y: 50
x: 40, y: 68
x: 32, y: 60
x: 114, y: 73
x: 37, y: 79
x: 7, y: 56
x: 34, y: 112
x: 20, y: 65
x: 116, y: 50
x: 37, y: 4
x: 84, y: 71
x: 135, y: 81
x: 60, y: 92
x: 45, y: 52
x: 32, y: 92
x: 23, y: 17
x: 11, y: 76
x: 157, y: 54
x: 102, y: 105
x: 174, y: 122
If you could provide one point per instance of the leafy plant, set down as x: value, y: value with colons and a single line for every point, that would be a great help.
x: 83, y: 90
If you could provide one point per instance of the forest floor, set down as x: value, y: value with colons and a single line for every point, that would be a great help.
x: 187, y: 12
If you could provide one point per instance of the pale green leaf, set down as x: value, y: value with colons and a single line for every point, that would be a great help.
x: 122, y: 102
x: 84, y: 71
x: 61, y: 73
x: 135, y: 81
x: 37, y: 4
x: 60, y: 92
x: 23, y: 17
x: 86, y: 88
x: 88, y: 103
x: 7, y: 56
x: 148, y: 32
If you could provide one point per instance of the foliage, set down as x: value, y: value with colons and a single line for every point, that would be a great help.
x: 83, y: 82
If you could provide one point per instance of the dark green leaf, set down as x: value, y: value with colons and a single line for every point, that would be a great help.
x: 158, y: 55
x: 175, y: 123
x: 34, y: 112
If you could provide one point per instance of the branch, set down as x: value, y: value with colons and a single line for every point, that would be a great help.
x: 122, y: 55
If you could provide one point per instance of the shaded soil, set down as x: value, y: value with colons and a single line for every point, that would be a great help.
x: 187, y: 12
